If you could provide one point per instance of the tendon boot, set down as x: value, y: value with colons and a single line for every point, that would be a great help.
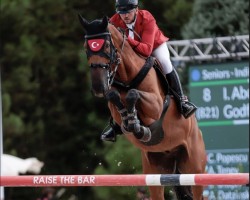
x: 185, y: 107
x: 110, y: 133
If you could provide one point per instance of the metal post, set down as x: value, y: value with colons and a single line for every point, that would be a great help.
x: 1, y: 138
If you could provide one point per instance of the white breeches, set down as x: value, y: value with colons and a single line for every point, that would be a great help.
x: 163, y: 56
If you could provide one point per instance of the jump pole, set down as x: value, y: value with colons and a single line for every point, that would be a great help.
x: 125, y: 180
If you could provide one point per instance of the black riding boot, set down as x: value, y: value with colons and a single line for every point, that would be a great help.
x: 110, y: 134
x: 186, y: 108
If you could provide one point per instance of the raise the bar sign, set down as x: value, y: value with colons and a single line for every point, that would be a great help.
x: 221, y: 93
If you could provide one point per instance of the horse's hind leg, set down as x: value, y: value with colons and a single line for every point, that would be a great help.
x: 197, y: 191
x: 140, y: 132
x: 194, y: 162
x: 153, y: 164
x: 183, y: 192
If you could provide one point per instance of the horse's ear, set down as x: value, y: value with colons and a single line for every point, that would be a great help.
x: 83, y: 22
x: 105, y: 22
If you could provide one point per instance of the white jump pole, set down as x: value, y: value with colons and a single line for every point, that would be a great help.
x: 125, y: 180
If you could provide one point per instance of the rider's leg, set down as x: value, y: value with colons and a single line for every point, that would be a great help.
x: 162, y: 54
x: 186, y: 108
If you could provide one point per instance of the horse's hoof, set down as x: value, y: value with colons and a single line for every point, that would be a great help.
x: 135, y: 127
x: 146, y: 134
x: 112, y: 95
x: 132, y: 98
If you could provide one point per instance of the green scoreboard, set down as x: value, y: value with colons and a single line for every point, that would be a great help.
x: 221, y: 93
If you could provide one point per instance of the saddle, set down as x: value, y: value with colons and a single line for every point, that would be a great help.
x: 158, y: 68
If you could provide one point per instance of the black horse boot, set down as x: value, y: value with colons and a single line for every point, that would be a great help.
x: 110, y: 134
x: 186, y: 108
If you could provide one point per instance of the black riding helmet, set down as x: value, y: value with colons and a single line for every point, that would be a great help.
x: 125, y: 6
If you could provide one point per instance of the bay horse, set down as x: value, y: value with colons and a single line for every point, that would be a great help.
x: 137, y: 100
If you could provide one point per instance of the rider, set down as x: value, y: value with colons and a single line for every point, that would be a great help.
x: 145, y: 37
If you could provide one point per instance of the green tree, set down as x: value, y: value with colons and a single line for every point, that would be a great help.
x: 213, y: 18
x: 170, y: 15
x: 48, y: 109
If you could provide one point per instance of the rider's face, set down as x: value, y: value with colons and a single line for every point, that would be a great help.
x: 129, y: 17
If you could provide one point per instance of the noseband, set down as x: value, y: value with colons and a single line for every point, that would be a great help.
x: 113, y: 57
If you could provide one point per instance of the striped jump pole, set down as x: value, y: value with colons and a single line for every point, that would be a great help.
x: 125, y: 180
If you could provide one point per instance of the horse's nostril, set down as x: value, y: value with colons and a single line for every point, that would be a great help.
x: 97, y: 94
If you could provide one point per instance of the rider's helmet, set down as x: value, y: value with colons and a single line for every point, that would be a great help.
x: 125, y: 6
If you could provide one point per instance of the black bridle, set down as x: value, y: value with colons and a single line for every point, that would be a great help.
x: 113, y: 57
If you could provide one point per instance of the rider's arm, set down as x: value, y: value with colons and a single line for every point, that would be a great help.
x: 145, y: 46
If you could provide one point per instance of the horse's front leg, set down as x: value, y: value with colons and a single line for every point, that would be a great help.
x: 114, y: 97
x: 140, y: 132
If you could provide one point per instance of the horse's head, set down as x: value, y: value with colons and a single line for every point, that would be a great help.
x: 101, y: 54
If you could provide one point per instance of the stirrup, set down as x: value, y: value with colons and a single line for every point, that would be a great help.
x: 187, y: 112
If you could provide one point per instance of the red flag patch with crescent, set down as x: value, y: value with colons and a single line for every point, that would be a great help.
x: 95, y: 44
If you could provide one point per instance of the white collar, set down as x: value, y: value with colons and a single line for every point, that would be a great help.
x: 132, y: 24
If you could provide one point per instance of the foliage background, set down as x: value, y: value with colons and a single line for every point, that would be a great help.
x: 48, y: 109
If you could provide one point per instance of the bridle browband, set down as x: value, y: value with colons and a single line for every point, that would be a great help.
x: 97, y: 35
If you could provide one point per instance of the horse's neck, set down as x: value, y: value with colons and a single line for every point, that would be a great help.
x: 131, y: 63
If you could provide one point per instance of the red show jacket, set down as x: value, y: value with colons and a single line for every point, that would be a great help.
x: 146, y: 27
